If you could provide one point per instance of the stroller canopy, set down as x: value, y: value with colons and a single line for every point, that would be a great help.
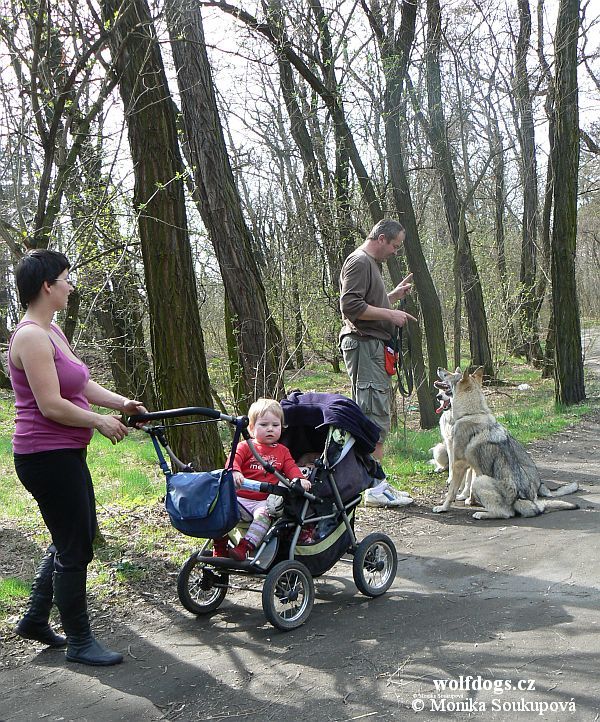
x: 318, y: 410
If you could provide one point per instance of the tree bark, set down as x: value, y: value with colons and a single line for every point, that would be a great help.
x: 177, y: 341
x: 256, y: 334
x: 395, y: 51
x: 568, y: 375
x: 497, y: 150
x: 454, y: 208
x: 528, y: 302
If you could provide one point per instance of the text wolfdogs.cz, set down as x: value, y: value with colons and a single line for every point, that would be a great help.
x: 468, y: 683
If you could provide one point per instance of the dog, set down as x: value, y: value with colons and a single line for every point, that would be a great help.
x: 439, y: 452
x: 442, y: 452
x: 505, y: 479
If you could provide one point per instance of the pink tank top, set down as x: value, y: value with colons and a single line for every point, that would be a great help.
x: 34, y: 432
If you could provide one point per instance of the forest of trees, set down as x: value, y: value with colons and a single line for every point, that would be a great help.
x: 208, y: 165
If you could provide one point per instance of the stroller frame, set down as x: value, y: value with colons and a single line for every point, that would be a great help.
x: 288, y: 588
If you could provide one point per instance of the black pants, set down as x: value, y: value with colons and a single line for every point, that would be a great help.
x: 61, y: 483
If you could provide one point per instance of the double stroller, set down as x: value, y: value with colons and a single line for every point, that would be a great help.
x: 330, y: 435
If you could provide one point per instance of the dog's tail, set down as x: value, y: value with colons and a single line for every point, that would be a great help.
x: 440, y: 457
x: 561, y: 491
x: 527, y: 507
x: 549, y: 505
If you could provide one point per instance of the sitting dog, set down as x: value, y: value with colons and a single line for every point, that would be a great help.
x: 505, y: 479
x: 442, y: 452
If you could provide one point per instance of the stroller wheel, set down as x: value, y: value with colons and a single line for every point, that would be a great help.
x: 375, y: 564
x: 288, y: 595
x: 201, y: 588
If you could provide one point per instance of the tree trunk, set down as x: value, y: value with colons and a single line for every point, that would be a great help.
x: 177, y: 341
x: 546, y: 220
x: 455, y: 212
x: 457, y: 315
x: 119, y: 315
x: 529, y: 231
x: 110, y: 280
x: 256, y: 335
x: 4, y: 378
x: 395, y: 52
x: 72, y: 315
x: 298, y: 326
x: 496, y: 148
x: 568, y: 375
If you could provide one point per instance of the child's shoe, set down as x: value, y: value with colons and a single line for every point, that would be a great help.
x: 220, y: 547
x: 241, y: 551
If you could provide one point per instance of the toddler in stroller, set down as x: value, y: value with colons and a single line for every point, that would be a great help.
x: 334, y: 428
x: 265, y: 421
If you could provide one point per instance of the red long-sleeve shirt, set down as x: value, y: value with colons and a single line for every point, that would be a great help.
x: 277, y: 455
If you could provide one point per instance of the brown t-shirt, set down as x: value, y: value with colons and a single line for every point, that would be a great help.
x: 361, y: 285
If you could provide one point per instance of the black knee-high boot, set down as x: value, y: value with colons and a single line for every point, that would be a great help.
x: 34, y: 624
x: 70, y: 595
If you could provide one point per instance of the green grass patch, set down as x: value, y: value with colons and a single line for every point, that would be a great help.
x: 539, y: 422
x: 319, y: 377
x: 406, y: 457
x: 12, y: 591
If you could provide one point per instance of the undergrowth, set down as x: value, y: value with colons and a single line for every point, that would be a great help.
x: 130, y: 486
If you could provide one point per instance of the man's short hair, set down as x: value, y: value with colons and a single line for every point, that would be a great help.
x: 389, y: 228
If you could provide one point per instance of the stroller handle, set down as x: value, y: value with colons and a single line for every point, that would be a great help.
x: 262, y: 486
x: 277, y: 489
x: 186, y: 411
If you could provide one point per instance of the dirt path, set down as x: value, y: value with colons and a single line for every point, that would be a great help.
x: 492, y: 601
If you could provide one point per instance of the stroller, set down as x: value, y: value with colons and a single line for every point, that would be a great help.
x: 334, y: 435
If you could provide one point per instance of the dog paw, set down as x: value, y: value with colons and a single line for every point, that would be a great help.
x: 479, y: 515
x: 461, y: 497
x: 469, y: 501
x: 439, y: 509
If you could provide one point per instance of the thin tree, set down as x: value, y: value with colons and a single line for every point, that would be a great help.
x: 180, y: 369
x: 455, y: 206
x: 568, y: 374
x: 395, y: 46
x: 256, y: 351
x: 529, y: 229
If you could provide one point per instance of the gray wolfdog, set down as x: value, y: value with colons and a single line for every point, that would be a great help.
x: 505, y: 479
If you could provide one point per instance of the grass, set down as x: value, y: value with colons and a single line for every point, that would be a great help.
x: 320, y: 377
x: 12, y: 591
x: 130, y: 486
x: 528, y: 415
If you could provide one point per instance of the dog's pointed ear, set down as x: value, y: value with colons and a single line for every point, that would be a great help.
x: 458, y: 370
x: 465, y: 375
x: 478, y: 375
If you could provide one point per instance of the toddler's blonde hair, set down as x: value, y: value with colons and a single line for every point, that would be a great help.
x: 263, y: 406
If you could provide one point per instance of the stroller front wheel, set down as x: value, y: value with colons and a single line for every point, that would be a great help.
x: 288, y: 595
x: 375, y: 564
x: 200, y: 587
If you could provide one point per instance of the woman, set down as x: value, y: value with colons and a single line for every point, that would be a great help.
x: 54, y: 425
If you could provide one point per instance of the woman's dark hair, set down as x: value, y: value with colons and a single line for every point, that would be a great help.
x: 35, y: 268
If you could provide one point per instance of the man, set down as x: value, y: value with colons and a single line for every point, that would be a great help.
x: 370, y: 322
